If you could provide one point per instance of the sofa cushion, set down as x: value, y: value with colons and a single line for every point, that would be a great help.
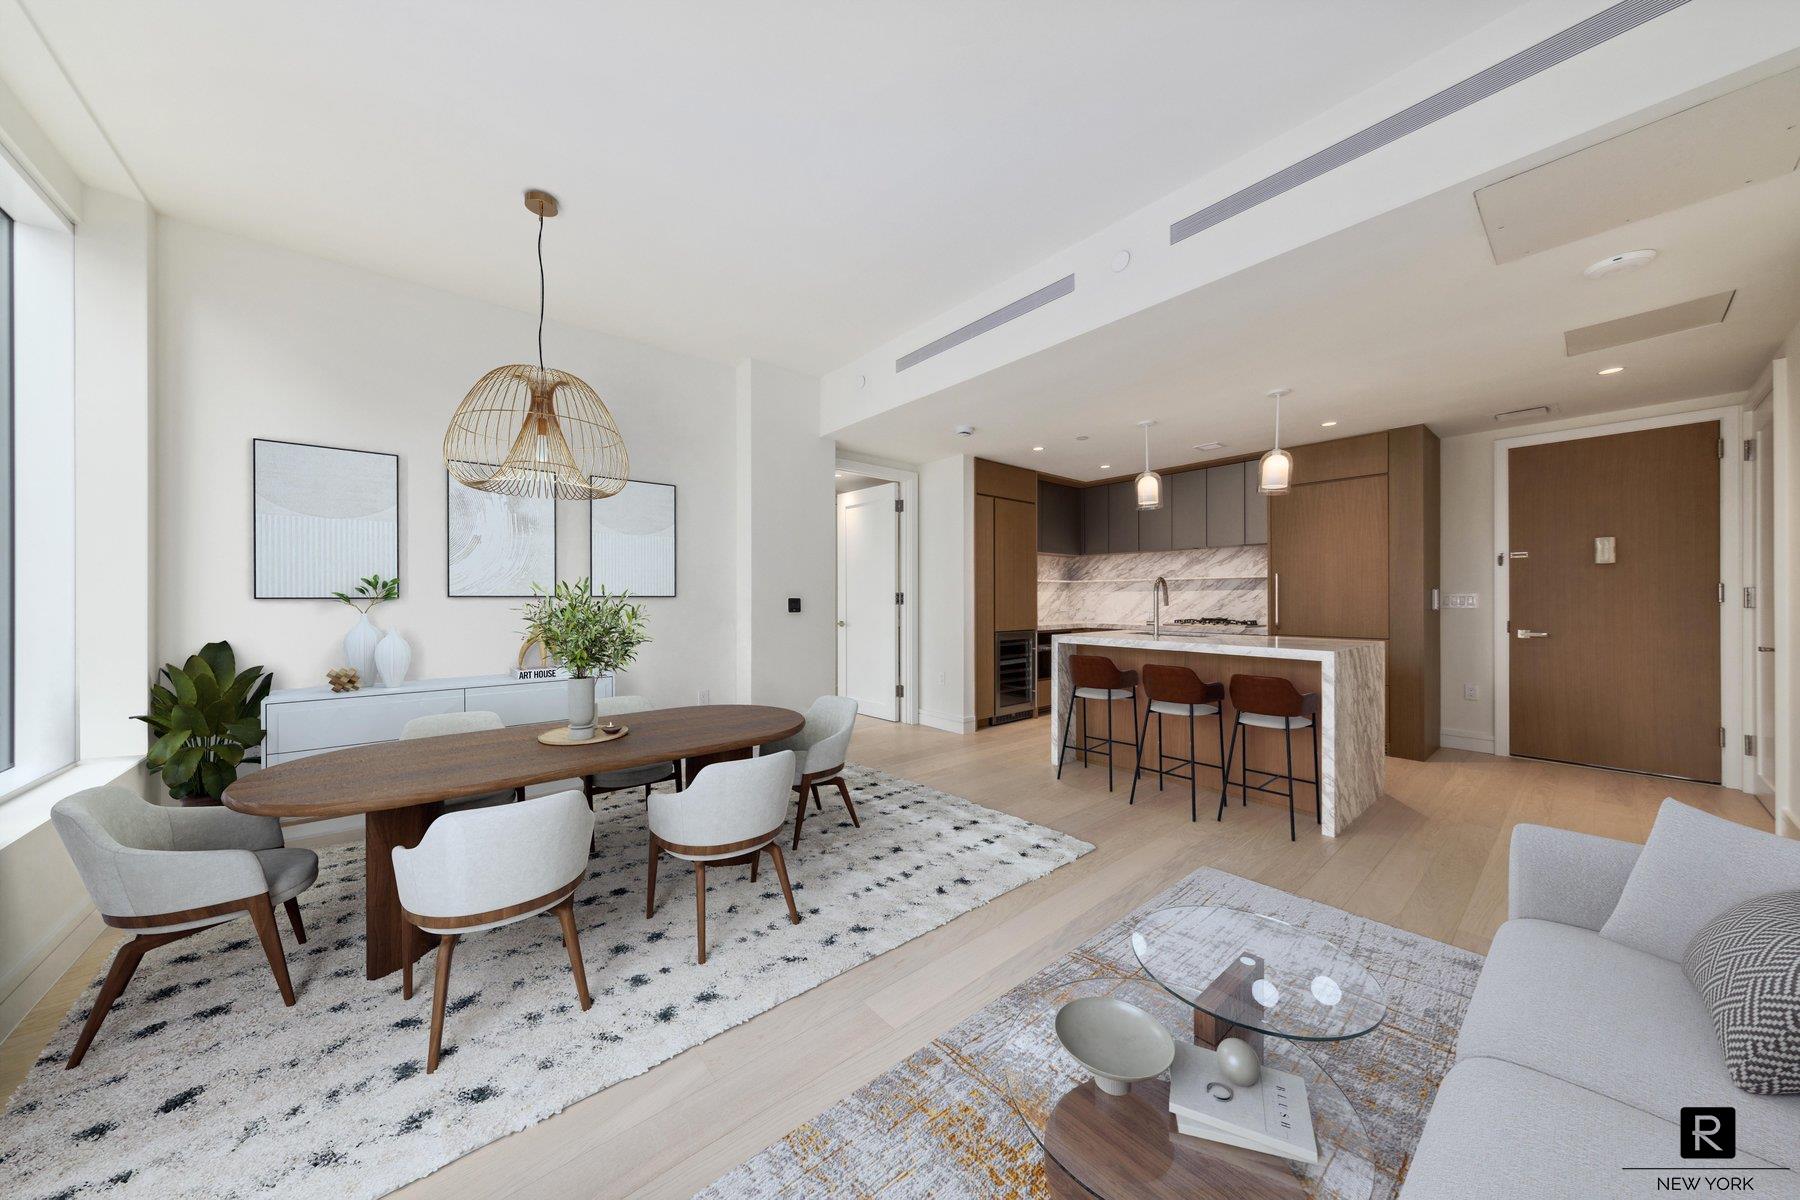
x: 1694, y: 867
x: 1616, y: 1021
x: 1499, y: 1131
x: 1745, y: 964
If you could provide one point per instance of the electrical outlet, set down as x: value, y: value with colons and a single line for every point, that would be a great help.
x: 1462, y: 600
x: 706, y: 695
x: 1471, y: 692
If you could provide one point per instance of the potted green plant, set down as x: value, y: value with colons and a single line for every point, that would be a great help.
x: 205, y: 716
x: 590, y: 633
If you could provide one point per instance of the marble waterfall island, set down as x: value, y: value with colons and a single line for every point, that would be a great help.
x: 1349, y: 675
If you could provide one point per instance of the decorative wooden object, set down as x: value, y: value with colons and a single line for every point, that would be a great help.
x: 1232, y: 985
x: 343, y: 679
x: 562, y: 737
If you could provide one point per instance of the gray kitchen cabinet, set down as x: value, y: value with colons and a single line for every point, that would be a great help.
x: 1093, y: 521
x: 1058, y: 518
x: 1156, y: 526
x: 1121, y: 518
x: 1225, y: 505
x: 1256, y: 509
x: 1186, y: 492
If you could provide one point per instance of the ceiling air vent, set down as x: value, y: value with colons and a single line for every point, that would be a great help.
x: 1598, y: 29
x: 1524, y: 414
x: 993, y: 320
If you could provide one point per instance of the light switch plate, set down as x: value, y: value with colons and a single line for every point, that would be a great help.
x: 1606, y: 550
x: 1462, y: 600
x: 1471, y: 692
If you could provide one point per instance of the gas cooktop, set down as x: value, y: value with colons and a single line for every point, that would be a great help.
x: 1228, y: 621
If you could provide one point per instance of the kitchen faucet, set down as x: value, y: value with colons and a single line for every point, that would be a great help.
x: 1159, y: 596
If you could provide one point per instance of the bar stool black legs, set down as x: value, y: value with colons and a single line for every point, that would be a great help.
x: 1272, y: 703
x: 1178, y: 692
x: 1093, y: 677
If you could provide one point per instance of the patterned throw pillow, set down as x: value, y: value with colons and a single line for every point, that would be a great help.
x: 1745, y: 963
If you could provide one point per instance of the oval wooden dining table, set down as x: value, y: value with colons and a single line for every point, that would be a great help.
x: 400, y: 787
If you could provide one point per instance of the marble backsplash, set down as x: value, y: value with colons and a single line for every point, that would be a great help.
x: 1114, y: 589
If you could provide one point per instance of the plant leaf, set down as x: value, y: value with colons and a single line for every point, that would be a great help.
x: 216, y: 776
x: 220, y: 660
x: 183, y: 685
x: 182, y: 765
x: 164, y: 746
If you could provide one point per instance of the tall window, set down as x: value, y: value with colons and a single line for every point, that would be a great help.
x: 6, y: 494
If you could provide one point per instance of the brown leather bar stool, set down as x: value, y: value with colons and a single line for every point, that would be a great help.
x: 1094, y: 677
x: 1178, y: 692
x: 1267, y: 702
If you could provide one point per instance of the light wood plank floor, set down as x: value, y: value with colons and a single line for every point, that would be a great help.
x: 1430, y: 857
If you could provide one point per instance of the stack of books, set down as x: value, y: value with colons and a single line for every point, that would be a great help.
x: 1272, y: 1116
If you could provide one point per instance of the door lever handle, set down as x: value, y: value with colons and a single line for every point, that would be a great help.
x: 1522, y: 634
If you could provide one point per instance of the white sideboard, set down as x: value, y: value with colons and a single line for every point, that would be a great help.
x: 301, y: 722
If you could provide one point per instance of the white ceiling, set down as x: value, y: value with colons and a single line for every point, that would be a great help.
x: 792, y: 179
x: 1400, y: 320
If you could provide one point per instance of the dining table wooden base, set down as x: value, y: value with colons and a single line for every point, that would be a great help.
x: 401, y: 787
x: 387, y: 941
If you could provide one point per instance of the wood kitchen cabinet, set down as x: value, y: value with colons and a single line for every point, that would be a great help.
x: 1225, y: 505
x: 1059, y: 518
x: 1328, y: 559
x: 1187, y: 497
x: 1121, y: 518
x: 1005, y: 566
x: 1015, y: 565
x: 1094, y: 538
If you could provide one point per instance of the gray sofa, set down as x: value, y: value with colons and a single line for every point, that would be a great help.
x: 1578, y: 1052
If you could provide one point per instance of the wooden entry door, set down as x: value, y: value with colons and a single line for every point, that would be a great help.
x: 1617, y: 664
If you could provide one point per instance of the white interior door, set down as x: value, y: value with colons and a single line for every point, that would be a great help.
x: 868, y: 582
x: 1766, y: 583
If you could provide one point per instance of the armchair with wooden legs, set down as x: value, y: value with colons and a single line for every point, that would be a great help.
x: 731, y: 814
x: 165, y: 873
x: 819, y: 752
x: 488, y: 867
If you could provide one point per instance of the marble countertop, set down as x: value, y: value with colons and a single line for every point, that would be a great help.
x: 1169, y: 629
x: 1248, y: 645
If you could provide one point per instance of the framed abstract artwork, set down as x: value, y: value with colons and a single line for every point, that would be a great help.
x: 633, y: 540
x: 497, y: 545
x: 322, y: 518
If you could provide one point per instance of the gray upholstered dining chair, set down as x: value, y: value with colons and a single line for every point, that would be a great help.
x: 164, y: 872
x: 819, y: 751
x: 449, y: 725
x: 731, y: 813
x: 647, y: 776
x: 483, y: 868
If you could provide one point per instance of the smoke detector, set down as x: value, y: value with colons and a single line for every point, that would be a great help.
x: 1630, y: 260
x: 964, y: 431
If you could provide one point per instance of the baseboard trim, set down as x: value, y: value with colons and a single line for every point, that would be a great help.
x: 946, y: 722
x: 1462, y: 739
x: 46, y: 963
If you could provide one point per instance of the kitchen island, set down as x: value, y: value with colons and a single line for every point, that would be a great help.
x: 1348, y: 674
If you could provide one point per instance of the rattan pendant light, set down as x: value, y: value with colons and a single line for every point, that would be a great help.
x: 531, y: 431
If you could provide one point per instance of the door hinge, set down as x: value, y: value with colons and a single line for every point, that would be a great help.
x: 1749, y: 450
x: 1749, y: 597
x: 1721, y: 447
x: 1721, y: 591
x: 1749, y: 745
x: 899, y: 597
x: 899, y: 506
x: 900, y: 689
x: 1721, y: 737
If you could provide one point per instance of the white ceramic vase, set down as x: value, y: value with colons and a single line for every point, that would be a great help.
x: 359, y: 647
x: 392, y: 657
x: 581, y: 707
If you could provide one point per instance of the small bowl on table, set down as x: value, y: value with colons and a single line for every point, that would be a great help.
x: 1118, y: 1043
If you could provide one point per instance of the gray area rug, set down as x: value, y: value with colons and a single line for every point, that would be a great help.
x: 201, y: 1083
x: 936, y: 1125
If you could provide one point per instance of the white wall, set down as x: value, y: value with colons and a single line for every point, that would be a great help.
x: 1467, y: 550
x: 786, y: 525
x: 1786, y: 396
x: 947, y: 594
x: 258, y: 342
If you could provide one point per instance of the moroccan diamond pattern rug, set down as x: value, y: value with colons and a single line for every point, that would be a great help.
x: 937, y: 1125
x: 202, y: 1083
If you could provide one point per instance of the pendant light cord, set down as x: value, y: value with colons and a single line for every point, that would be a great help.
x: 540, y: 252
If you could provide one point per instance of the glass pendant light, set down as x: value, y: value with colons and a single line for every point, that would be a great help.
x: 1277, y: 466
x: 1149, y: 484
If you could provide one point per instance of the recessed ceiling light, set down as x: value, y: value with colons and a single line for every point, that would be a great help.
x: 840, y: 474
x: 1121, y: 260
x: 1630, y: 260
x: 1611, y: 370
x: 1106, y: 466
x: 1210, y: 446
x: 1327, y: 424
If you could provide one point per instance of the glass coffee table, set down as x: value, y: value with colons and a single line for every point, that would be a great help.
x: 1128, y: 1147
x: 1257, y: 977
